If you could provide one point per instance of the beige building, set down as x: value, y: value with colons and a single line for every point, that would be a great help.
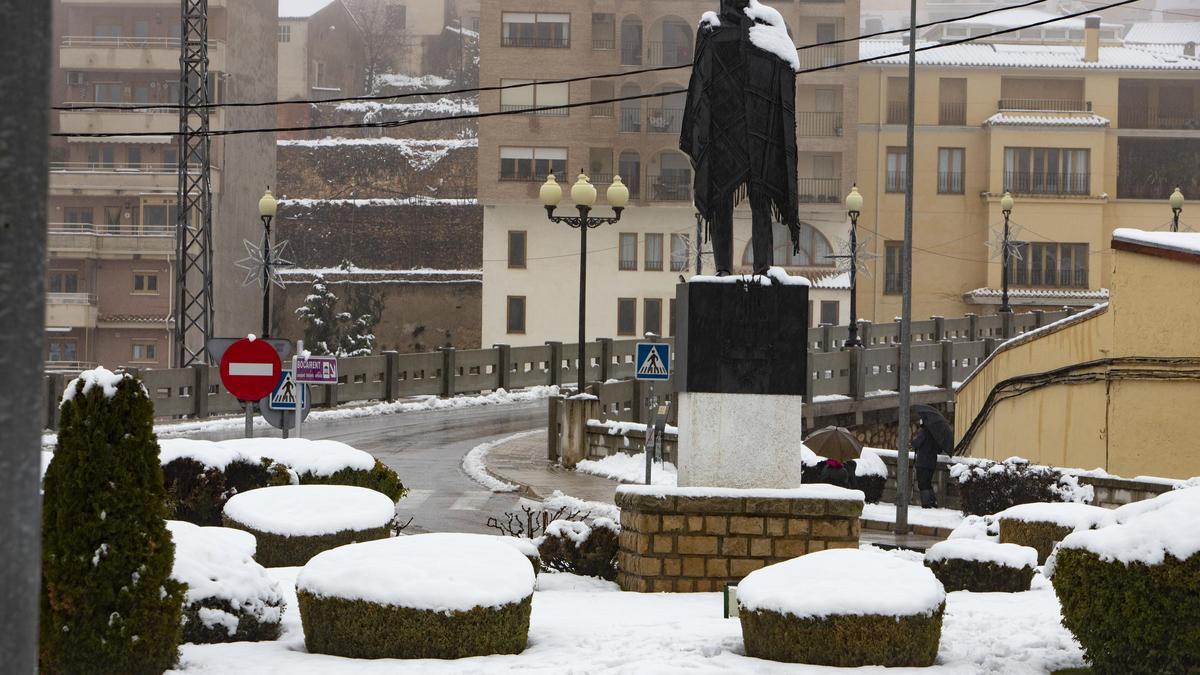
x: 112, y: 200
x: 320, y: 50
x: 1088, y: 135
x: 1115, y: 387
x: 531, y: 266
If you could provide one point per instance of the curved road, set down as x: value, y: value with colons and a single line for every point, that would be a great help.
x: 426, y: 449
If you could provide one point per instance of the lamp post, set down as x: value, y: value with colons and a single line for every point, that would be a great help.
x: 1006, y: 207
x: 1176, y: 207
x: 266, y: 210
x: 583, y: 193
x: 854, y: 204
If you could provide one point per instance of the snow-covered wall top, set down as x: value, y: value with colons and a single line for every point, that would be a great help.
x: 815, y: 491
x: 1183, y: 242
x: 1025, y: 56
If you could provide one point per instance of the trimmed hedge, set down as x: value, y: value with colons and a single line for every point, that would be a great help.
x: 871, y: 486
x: 380, y: 478
x: 844, y: 641
x: 595, y: 556
x: 198, y: 492
x: 249, y: 628
x: 366, y: 630
x: 277, y: 550
x: 1041, y: 536
x: 980, y: 577
x: 986, y: 487
x: 1134, y: 618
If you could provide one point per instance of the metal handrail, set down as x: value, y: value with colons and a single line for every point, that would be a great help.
x: 122, y: 42
x: 84, y: 104
x: 156, y: 168
x: 1045, y: 104
x: 97, y: 230
x: 71, y: 298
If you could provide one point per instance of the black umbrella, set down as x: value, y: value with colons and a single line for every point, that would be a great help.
x: 835, y: 443
x: 936, y: 425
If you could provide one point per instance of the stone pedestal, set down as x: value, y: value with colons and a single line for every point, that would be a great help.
x: 574, y: 412
x: 739, y: 440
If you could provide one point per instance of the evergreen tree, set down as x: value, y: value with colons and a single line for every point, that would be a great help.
x: 359, y: 321
x: 350, y: 332
x: 108, y: 602
x: 321, y: 334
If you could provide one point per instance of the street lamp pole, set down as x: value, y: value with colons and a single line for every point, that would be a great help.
x: 854, y: 204
x: 266, y: 210
x: 583, y: 193
x: 1176, y: 208
x: 1006, y: 207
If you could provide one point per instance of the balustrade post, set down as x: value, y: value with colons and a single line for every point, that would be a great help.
x: 972, y: 326
x: 864, y: 332
x: 989, y: 345
x: 200, y: 390
x: 826, y: 337
x: 55, y: 385
x: 449, y: 374
x: 939, y: 328
x: 605, y: 358
x: 1007, y: 326
x: 503, y: 366
x: 858, y: 374
x: 1039, y: 318
x: 554, y: 364
x: 947, y: 365
x: 391, y: 369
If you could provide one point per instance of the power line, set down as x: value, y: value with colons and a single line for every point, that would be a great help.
x: 1147, y: 9
x: 569, y: 80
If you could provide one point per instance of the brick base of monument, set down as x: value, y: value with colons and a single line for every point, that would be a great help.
x: 676, y: 540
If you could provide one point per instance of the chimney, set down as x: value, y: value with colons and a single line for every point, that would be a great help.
x: 1091, y: 39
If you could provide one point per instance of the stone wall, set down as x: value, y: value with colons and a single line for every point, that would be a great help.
x: 682, y: 543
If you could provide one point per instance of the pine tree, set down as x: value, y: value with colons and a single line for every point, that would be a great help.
x: 108, y: 602
x: 363, y: 314
x: 321, y: 332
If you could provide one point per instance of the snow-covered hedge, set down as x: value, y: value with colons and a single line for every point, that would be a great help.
x: 587, y: 549
x: 981, y: 566
x: 987, y: 487
x: 1041, y: 526
x: 229, y: 598
x: 1130, y: 591
x: 443, y: 596
x: 324, y: 463
x: 867, y: 473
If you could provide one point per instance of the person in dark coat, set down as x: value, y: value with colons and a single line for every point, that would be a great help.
x: 835, y: 473
x: 739, y: 129
x: 935, y: 437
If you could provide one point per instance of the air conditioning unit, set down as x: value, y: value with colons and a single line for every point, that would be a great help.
x: 75, y: 77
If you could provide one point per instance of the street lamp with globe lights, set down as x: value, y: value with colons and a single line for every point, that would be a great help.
x: 266, y: 210
x: 1176, y: 208
x: 583, y: 193
x: 854, y: 204
x: 1006, y: 207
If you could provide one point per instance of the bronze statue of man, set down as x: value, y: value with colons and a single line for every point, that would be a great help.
x: 739, y: 127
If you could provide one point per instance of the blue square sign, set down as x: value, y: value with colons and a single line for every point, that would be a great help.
x: 653, y: 361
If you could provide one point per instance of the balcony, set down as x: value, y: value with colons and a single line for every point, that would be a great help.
x: 87, y: 178
x: 897, y: 112
x: 818, y: 57
x: 602, y: 110
x: 670, y: 187
x: 630, y: 120
x: 1151, y: 168
x: 130, y: 53
x: 952, y: 113
x: 820, y: 190
x: 1044, y: 105
x: 1143, y: 118
x: 71, y: 310
x: 818, y: 123
x: 664, y: 120
x: 88, y: 240
x: 534, y: 110
x: 1048, y: 184
x: 668, y: 53
x: 536, y: 42
x: 154, y: 120
x: 68, y: 367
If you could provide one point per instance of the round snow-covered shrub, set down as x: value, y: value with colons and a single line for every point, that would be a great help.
x: 442, y: 596
x: 1130, y: 592
x: 986, y: 528
x: 229, y: 598
x: 292, y: 523
x: 526, y: 547
x: 988, y: 487
x: 581, y: 548
x: 843, y: 607
x: 323, y: 462
x: 1041, y: 526
x: 202, y: 475
x: 981, y: 566
x: 867, y: 473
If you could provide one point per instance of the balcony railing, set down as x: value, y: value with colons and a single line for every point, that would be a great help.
x: 952, y: 113
x: 950, y: 182
x: 630, y: 120
x: 68, y: 366
x: 1129, y: 118
x: 671, y: 187
x: 1045, y: 104
x: 533, y: 110
x: 1047, y: 183
x: 601, y: 178
x: 631, y: 54
x: 894, y: 181
x: 897, y: 112
x: 111, y: 230
x: 603, y: 43
x: 602, y: 110
x: 820, y: 190
x: 157, y: 168
x: 559, y: 176
x: 668, y: 53
x: 81, y: 106
x: 536, y: 42
x: 818, y: 123
x: 816, y: 57
x: 664, y: 120
x: 71, y: 298
x: 125, y: 42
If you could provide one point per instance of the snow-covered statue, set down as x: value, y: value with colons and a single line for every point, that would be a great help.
x: 739, y: 126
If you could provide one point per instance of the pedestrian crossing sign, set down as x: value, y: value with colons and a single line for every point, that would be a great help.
x: 287, y: 391
x: 653, y: 361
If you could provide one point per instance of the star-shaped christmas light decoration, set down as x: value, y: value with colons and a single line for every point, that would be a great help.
x: 859, y: 256
x: 995, y: 243
x: 253, y: 263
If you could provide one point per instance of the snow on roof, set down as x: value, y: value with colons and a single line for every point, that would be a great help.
x: 301, y: 9
x: 1173, y: 33
x: 1052, y: 293
x: 1183, y: 242
x: 1067, y: 120
x: 837, y: 282
x: 988, y: 55
x: 1024, y: 16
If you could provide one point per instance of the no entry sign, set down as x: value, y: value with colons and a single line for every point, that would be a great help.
x: 250, y: 369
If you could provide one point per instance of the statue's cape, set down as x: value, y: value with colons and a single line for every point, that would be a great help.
x: 739, y: 124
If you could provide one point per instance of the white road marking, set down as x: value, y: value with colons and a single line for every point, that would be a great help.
x: 414, y: 499
x: 260, y: 369
x: 470, y: 501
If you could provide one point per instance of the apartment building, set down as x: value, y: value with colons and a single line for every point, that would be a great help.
x: 111, y: 200
x: 320, y: 50
x: 530, y: 265
x: 1087, y: 134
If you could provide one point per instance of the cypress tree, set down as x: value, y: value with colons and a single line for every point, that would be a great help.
x: 108, y: 603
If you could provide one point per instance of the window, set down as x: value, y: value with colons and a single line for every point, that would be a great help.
x: 101, y: 156
x: 654, y: 252
x: 62, y: 350
x: 829, y: 312
x: 526, y: 29
x: 63, y: 281
x: 133, y: 157
x: 112, y: 218
x: 107, y: 28
x: 628, y: 248
x: 652, y: 316
x: 516, y: 249
x: 1049, y: 265
x: 952, y: 101
x: 532, y: 164
x: 602, y: 91
x: 679, y: 252
x: 534, y: 96
x: 950, y: 170
x: 626, y: 316
x: 893, y: 250
x: 78, y: 215
x: 320, y: 73
x: 108, y: 92
x: 604, y: 31
x: 145, y: 282
x: 141, y: 93
x: 158, y: 213
x: 285, y: 33
x: 671, y: 316
x: 1043, y: 171
x: 145, y: 351
x: 515, y: 322
x: 897, y: 100
x: 896, y: 169
x: 814, y: 248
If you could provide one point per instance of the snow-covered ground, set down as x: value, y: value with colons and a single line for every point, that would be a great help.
x: 943, y: 518
x: 474, y: 463
x: 629, y: 469
x: 584, y: 625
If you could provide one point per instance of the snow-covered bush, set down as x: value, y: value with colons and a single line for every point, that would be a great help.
x: 578, y: 547
x: 867, y: 473
x: 981, y: 566
x: 443, y: 596
x: 1042, y: 526
x: 986, y: 528
x: 1130, y: 592
x: 323, y: 463
x: 293, y: 523
x: 108, y: 602
x: 987, y: 487
x: 201, y: 476
x: 229, y: 598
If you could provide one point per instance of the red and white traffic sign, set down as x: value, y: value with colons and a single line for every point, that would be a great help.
x: 250, y: 369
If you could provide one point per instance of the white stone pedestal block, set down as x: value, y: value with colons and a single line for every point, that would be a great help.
x: 739, y: 440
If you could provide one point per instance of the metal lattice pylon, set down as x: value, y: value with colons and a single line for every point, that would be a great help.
x: 193, y: 219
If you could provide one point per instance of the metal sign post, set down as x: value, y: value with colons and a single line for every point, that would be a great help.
x: 249, y: 407
x: 299, y: 415
x: 652, y: 363
x: 651, y: 435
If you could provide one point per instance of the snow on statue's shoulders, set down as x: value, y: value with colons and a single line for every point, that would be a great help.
x: 842, y: 582
x: 442, y: 572
x: 1063, y: 514
x: 774, y: 274
x: 810, y: 491
x: 320, y: 458
x: 1147, y: 531
x: 211, y: 454
x: 709, y: 19
x: 98, y: 377
x: 216, y: 562
x: 770, y: 34
x: 309, y: 510
x: 982, y: 550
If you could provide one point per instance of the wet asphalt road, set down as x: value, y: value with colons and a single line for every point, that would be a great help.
x: 426, y: 449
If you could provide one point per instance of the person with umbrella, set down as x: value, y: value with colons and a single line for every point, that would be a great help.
x: 934, y: 437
